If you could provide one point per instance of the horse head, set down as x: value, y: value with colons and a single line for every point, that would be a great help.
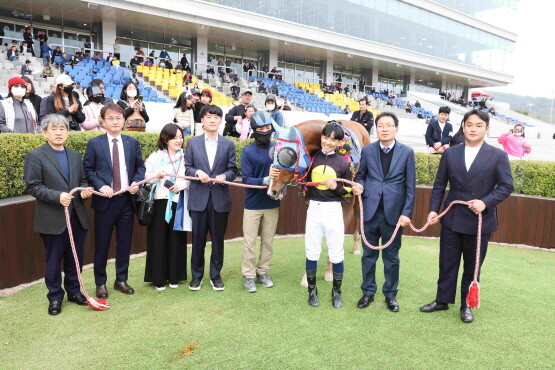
x: 284, y: 157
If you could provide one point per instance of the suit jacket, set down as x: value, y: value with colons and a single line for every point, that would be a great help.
x: 398, y: 187
x: 46, y: 181
x: 489, y: 179
x: 224, y: 164
x: 434, y: 133
x: 98, y: 166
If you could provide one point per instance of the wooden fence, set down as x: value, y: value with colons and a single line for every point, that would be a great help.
x: 522, y: 220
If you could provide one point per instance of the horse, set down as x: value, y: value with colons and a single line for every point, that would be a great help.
x: 306, y: 137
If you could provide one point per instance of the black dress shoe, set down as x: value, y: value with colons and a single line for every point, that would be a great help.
x: 101, y: 291
x: 55, y: 308
x: 79, y: 299
x: 123, y: 287
x: 434, y: 306
x: 466, y: 315
x: 365, y: 301
x: 392, y: 304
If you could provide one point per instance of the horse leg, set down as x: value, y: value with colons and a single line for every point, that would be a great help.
x: 356, y: 242
x: 329, y: 273
x: 304, y: 282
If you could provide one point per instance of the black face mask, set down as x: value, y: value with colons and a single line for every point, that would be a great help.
x: 262, y: 139
x: 98, y: 99
x: 68, y: 89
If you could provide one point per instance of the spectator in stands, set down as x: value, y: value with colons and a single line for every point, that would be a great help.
x: 50, y: 172
x: 285, y: 106
x: 2, y: 37
x: 221, y: 73
x: 17, y: 115
x: 23, y: 48
x: 26, y: 69
x: 439, y: 132
x: 134, y: 63
x: 261, y: 87
x: 66, y: 102
x: 272, y: 73
x: 346, y: 110
x: 246, y: 67
x: 235, y: 89
x: 210, y: 70
x: 389, y: 101
x: 184, y: 114
x: 151, y: 55
x: 272, y: 108
x: 92, y: 109
x: 47, y: 71
x: 243, y: 127
x: 80, y: 55
x: 169, y: 64
x: 196, y: 94
x: 115, y: 62
x: 417, y: 104
x: 492, y: 111
x: 408, y: 108
x: 96, y: 57
x: 56, y: 53
x: 346, y: 90
x: 235, y: 114
x: 98, y: 82
x: 28, y: 37
x: 185, y: 63
x: 13, y: 54
x: 265, y: 68
x: 117, y: 49
x: 72, y: 61
x: 187, y: 78
x: 514, y: 142
x: 164, y: 54
x: 45, y: 50
x: 110, y: 57
x: 130, y: 102
x: 205, y: 99
x: 364, y: 116
x: 30, y: 93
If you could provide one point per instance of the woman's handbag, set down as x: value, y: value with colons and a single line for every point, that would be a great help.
x: 145, y: 205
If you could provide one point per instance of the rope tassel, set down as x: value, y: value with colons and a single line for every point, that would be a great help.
x: 473, y: 296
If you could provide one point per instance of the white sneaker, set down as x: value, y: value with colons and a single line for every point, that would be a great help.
x: 160, y: 288
x: 174, y: 286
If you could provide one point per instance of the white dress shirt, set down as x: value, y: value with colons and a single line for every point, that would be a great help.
x: 390, y: 147
x: 211, y: 148
x: 470, y: 153
x: 122, y: 165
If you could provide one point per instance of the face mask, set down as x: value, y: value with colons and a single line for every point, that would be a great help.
x: 262, y: 139
x: 270, y: 106
x: 68, y: 89
x: 18, y: 91
x: 518, y: 133
x: 131, y: 93
x: 98, y: 99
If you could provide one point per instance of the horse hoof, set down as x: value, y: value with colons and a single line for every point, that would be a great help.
x: 328, y: 276
x: 357, y: 252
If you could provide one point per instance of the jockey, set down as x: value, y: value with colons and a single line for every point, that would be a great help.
x: 325, y: 215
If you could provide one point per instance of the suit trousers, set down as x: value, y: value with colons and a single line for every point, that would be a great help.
x: 203, y: 222
x: 118, y: 214
x: 58, y: 248
x: 377, y: 228
x: 451, y: 246
x: 253, y: 220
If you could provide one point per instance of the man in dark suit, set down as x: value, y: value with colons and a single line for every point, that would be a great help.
x: 209, y: 156
x: 364, y: 116
x: 439, y: 132
x: 51, y: 171
x: 388, y: 174
x: 479, y: 173
x: 113, y: 162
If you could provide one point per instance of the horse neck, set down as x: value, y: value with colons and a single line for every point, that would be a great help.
x: 311, y: 131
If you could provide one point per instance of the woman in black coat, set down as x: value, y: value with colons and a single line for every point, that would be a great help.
x: 30, y: 94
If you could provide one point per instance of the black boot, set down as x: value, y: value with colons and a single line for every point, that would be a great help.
x: 336, y: 290
x: 312, y: 290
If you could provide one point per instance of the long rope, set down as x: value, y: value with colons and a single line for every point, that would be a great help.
x: 101, y: 304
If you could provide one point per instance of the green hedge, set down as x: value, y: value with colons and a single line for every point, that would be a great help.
x: 531, y: 177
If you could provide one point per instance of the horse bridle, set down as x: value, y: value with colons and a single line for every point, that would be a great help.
x: 295, y: 180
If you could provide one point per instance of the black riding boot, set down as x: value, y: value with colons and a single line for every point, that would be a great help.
x: 336, y: 290
x: 312, y: 290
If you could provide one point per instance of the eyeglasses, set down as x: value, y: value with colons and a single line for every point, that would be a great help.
x: 383, y: 127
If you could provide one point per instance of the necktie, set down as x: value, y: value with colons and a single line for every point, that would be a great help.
x: 386, y: 149
x: 116, y: 175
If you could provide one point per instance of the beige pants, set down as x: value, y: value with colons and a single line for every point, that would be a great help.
x: 252, y: 219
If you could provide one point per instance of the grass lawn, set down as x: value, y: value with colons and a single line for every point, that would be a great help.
x: 275, y: 328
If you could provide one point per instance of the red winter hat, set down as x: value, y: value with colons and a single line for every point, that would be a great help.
x: 15, y: 81
x: 206, y: 92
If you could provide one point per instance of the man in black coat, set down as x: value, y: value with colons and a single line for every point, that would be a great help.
x: 235, y: 114
x: 439, y: 132
x: 50, y: 172
x: 364, y: 116
x: 480, y: 174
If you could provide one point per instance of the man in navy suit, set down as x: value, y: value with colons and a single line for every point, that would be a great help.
x: 51, y: 171
x: 481, y: 174
x: 439, y: 132
x: 388, y: 174
x: 209, y: 156
x: 113, y: 162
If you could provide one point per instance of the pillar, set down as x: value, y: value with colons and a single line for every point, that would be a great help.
x: 200, y: 50
x: 273, y: 54
x: 108, y: 34
x: 329, y: 68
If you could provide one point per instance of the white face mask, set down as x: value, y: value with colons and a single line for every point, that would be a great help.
x: 131, y: 93
x: 18, y: 91
x: 270, y: 106
x: 518, y: 133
